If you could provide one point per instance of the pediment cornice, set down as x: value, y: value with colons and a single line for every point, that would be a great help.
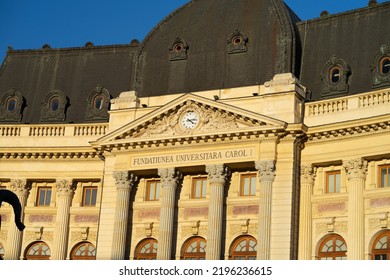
x: 215, y: 119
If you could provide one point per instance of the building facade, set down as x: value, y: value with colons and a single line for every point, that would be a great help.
x: 259, y: 137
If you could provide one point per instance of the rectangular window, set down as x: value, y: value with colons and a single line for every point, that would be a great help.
x: 89, y: 196
x: 248, y: 184
x: 384, y: 176
x: 44, y: 196
x: 153, y: 190
x: 199, y: 187
x: 333, y: 181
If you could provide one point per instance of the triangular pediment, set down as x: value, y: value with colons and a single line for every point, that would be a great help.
x: 191, y: 116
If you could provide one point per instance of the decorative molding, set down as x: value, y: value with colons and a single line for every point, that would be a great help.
x: 170, y: 177
x: 217, y: 174
x: 124, y: 179
x: 20, y: 187
x: 65, y: 187
x: 308, y: 174
x: 148, y: 227
x: 48, y: 155
x: 178, y: 50
x: 356, y: 168
x: 379, y: 79
x: 57, y: 115
x: 266, y: 170
x: 237, y: 42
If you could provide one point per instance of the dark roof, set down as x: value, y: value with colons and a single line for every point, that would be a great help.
x: 76, y: 72
x: 354, y: 37
x: 207, y: 60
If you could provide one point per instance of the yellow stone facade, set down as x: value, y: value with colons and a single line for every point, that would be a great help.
x: 267, y: 130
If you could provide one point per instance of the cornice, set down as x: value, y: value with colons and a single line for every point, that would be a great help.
x: 349, y: 129
x: 47, y: 153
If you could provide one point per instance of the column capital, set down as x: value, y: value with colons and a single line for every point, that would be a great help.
x: 169, y: 177
x: 266, y: 170
x: 218, y: 173
x: 308, y: 174
x: 355, y: 168
x: 20, y: 187
x: 65, y: 187
x: 124, y: 179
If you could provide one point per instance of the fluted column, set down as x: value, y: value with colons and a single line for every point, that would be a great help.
x: 169, y: 180
x: 266, y: 170
x: 65, y: 191
x: 308, y: 174
x: 218, y: 175
x: 124, y: 182
x: 14, y: 238
x: 356, y: 173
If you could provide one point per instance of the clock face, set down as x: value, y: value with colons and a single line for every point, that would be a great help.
x: 190, y: 120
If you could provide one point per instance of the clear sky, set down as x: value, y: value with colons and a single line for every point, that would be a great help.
x: 29, y: 24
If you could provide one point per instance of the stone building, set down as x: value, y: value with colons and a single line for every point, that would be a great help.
x: 234, y: 130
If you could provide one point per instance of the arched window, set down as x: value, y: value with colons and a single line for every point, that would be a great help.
x: 244, y: 248
x: 332, y: 247
x: 384, y: 65
x: 83, y: 251
x: 335, y: 74
x: 98, y: 102
x: 54, y: 104
x: 194, y: 249
x: 38, y: 251
x: 146, y: 250
x: 1, y: 252
x: 381, y: 247
x: 11, y: 104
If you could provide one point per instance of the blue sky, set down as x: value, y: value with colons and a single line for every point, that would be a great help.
x: 29, y: 24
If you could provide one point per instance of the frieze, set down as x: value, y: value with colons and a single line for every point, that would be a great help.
x: 380, y: 202
x: 86, y: 218
x: 331, y: 207
x: 40, y: 218
x: 323, y: 228
x: 243, y: 210
x: 194, y: 212
x: 149, y: 214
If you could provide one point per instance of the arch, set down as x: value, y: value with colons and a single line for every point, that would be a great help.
x: 332, y: 247
x: 243, y: 247
x: 146, y: 249
x: 380, y: 248
x: 194, y: 249
x: 37, y: 251
x: 83, y: 251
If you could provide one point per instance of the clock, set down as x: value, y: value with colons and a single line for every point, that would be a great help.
x: 190, y: 119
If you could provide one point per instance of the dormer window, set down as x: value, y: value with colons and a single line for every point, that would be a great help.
x: 54, y: 107
x: 178, y: 50
x: 98, y: 104
x: 384, y: 66
x: 335, y: 74
x: 11, y: 106
x: 335, y: 77
x: 237, y: 42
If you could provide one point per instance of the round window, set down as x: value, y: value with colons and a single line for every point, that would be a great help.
x: 54, y: 104
x: 11, y: 104
x: 335, y: 74
x: 385, y: 66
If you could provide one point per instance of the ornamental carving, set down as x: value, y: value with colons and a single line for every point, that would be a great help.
x: 124, y: 179
x: 98, y: 104
x: 308, y: 174
x: 210, y: 120
x: 335, y: 77
x: 356, y: 168
x: 266, y: 170
x: 170, y: 177
x: 237, y: 42
x: 11, y: 107
x: 54, y: 107
x: 218, y: 173
x: 20, y: 187
x: 65, y: 187
x: 381, y: 78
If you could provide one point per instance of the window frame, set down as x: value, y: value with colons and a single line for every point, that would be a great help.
x: 199, y: 254
x: 332, y: 75
x: 203, y: 187
x: 381, y: 252
x: 85, y: 255
x: 243, y: 255
x: 251, y: 188
x: 382, y: 65
x: 47, y: 188
x: 334, y: 254
x: 334, y: 173
x: 93, y: 189
x: 146, y: 256
x: 381, y: 184
x: 156, y: 184
x: 39, y: 256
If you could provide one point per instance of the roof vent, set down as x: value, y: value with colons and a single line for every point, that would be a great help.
x: 324, y: 14
x: 134, y: 43
x: 372, y: 3
x: 46, y: 47
x: 88, y: 44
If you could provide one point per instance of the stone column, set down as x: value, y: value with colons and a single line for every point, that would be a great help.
x: 65, y: 190
x: 169, y: 180
x: 14, y: 237
x: 218, y: 175
x: 124, y: 182
x: 356, y: 173
x: 266, y: 170
x: 308, y: 174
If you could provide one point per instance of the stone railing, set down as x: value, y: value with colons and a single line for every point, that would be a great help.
x: 53, y: 130
x: 326, y: 107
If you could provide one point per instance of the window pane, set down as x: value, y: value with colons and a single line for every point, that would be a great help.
x: 48, y: 197
x: 385, y: 67
x: 11, y: 105
x: 54, y: 104
x: 197, y: 188
x: 331, y: 183
x: 253, y: 185
x: 204, y: 187
x: 94, y: 196
x: 246, y: 186
x: 338, y: 182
